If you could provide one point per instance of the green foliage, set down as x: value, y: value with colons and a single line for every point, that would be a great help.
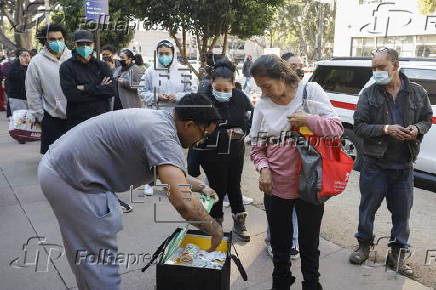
x: 207, y: 19
x: 296, y: 25
x: 427, y: 7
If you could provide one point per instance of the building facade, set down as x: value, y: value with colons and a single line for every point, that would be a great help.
x: 364, y: 25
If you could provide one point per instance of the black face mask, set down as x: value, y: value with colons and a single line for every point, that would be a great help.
x: 123, y: 62
x: 107, y: 58
x: 300, y: 72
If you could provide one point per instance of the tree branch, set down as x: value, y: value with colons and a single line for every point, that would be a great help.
x: 212, y: 45
x: 6, y: 41
x: 8, y: 16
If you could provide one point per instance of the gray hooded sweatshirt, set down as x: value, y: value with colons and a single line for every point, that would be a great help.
x: 43, y: 89
x: 160, y: 80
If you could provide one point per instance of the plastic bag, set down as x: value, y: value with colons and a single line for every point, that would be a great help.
x: 23, y: 126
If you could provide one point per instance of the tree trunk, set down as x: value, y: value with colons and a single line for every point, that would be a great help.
x: 184, y: 44
x: 183, y: 52
x: 225, y: 44
x: 212, y: 44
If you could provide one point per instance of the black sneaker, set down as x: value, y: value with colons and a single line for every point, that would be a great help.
x: 125, y: 206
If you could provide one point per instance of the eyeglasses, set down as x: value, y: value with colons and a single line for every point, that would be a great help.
x: 165, y: 43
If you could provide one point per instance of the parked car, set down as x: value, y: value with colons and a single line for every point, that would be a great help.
x: 343, y: 79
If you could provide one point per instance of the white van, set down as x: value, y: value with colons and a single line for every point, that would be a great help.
x: 344, y: 77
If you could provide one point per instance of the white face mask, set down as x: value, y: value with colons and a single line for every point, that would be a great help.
x: 381, y: 77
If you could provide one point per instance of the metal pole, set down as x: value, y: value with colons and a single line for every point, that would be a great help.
x: 97, y: 41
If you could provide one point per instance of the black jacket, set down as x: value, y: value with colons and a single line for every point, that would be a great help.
x: 17, y: 81
x: 233, y: 115
x: 246, y: 68
x: 95, y: 99
x: 372, y: 115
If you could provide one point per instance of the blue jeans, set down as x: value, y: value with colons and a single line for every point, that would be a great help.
x: 396, y: 185
x: 247, y: 84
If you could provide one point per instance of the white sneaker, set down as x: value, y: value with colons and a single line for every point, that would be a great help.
x: 246, y: 200
x: 148, y: 190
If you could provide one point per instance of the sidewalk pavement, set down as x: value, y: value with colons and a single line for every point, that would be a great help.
x: 25, y: 213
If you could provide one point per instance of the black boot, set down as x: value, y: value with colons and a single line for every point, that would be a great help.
x: 311, y: 285
x: 283, y: 282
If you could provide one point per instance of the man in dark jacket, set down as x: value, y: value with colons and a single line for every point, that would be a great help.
x: 246, y: 71
x: 392, y: 116
x: 85, y: 81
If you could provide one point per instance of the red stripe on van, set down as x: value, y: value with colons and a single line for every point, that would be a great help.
x: 343, y: 105
x: 434, y: 120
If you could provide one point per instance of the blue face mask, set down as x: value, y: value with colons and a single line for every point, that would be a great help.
x: 381, y: 77
x: 165, y: 60
x: 56, y: 46
x: 85, y: 51
x: 221, y: 97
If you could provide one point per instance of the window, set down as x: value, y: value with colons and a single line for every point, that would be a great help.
x: 342, y: 79
x: 363, y: 46
x: 426, y: 46
x: 424, y: 77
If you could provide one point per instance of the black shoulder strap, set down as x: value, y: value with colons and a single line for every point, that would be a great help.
x: 161, y: 249
x: 305, y: 107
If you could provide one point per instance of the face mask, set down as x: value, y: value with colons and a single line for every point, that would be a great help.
x: 85, y: 51
x: 123, y: 62
x: 221, y: 97
x: 57, y: 46
x: 165, y: 60
x: 381, y: 77
x: 107, y: 58
x: 300, y: 72
x: 12, y: 58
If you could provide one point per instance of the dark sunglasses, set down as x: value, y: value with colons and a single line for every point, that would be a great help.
x: 379, y: 50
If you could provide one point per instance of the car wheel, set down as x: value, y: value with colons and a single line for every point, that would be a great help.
x: 352, y: 145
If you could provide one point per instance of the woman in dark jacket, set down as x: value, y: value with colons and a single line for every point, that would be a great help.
x: 222, y: 155
x: 17, y: 80
x: 128, y: 74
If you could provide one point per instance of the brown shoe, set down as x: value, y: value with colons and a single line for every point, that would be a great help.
x: 360, y: 254
x: 239, y: 227
x: 397, y: 262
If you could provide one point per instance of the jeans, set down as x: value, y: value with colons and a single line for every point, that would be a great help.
x: 247, y: 83
x: 294, y: 227
x: 396, y: 185
x: 279, y: 215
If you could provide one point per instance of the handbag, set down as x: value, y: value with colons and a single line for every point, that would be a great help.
x: 324, y: 169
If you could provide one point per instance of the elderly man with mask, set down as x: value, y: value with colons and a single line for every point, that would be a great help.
x: 392, y: 116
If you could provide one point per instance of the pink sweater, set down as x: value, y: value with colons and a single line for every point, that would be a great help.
x: 283, y: 160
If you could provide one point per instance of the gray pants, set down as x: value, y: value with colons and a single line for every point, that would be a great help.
x: 89, y: 224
